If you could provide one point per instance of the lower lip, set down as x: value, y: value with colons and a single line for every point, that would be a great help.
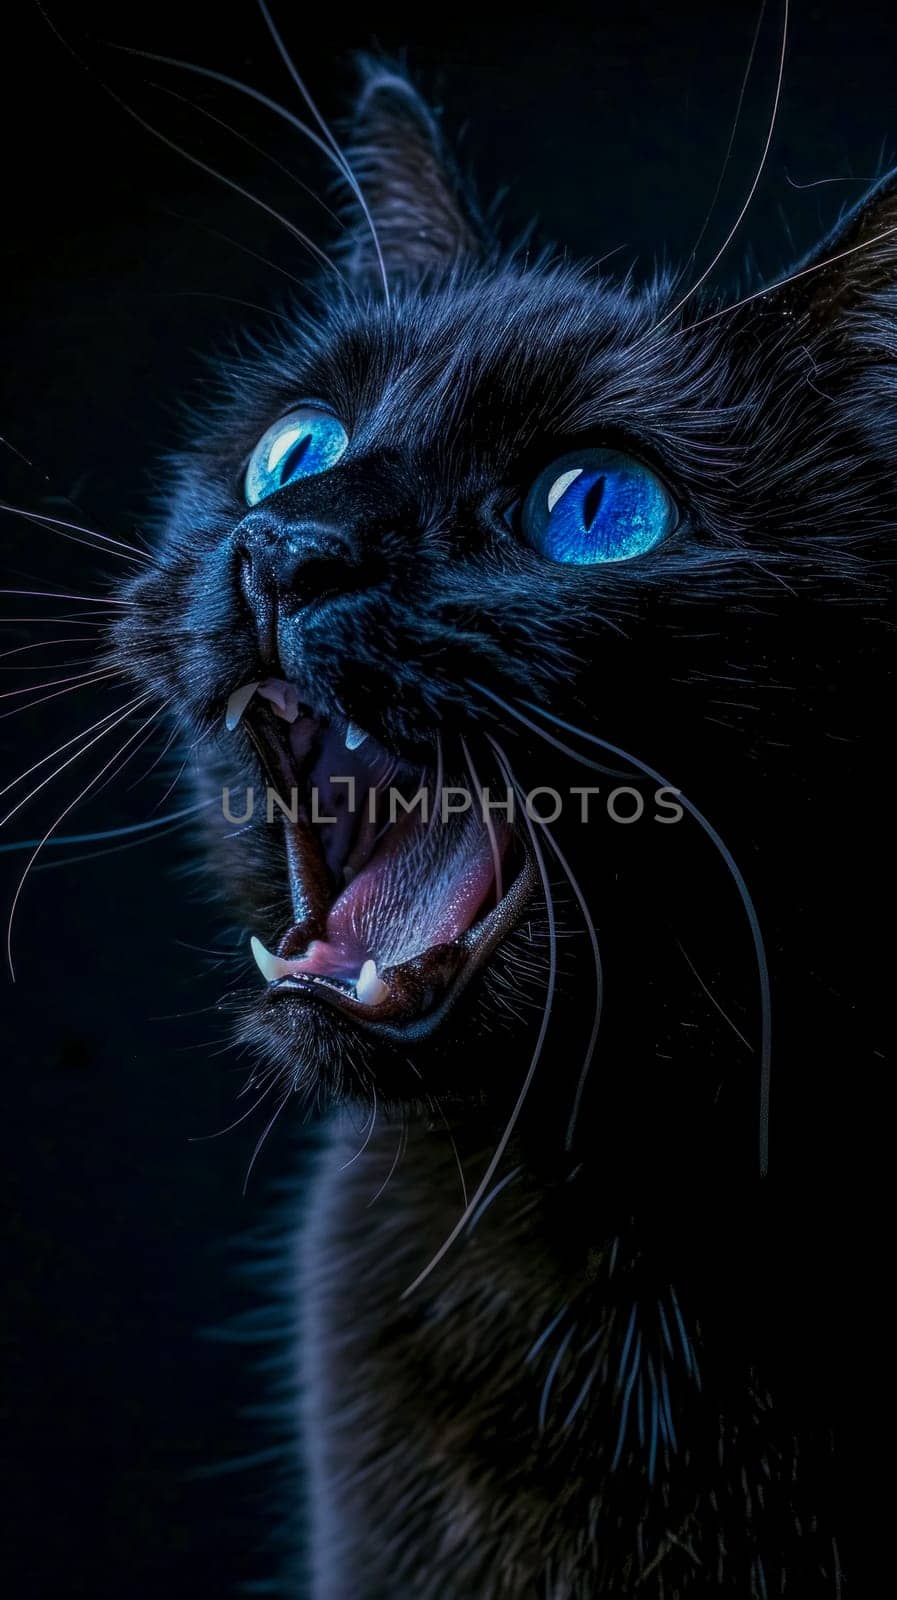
x: 449, y: 968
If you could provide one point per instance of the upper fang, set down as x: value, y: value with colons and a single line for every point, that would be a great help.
x: 355, y: 736
x: 237, y: 704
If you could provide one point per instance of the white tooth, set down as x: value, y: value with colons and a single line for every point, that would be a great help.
x: 270, y: 966
x: 355, y: 736
x: 237, y: 704
x: 370, y: 989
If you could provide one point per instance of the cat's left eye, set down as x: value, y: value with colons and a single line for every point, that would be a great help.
x: 595, y: 506
x: 307, y: 441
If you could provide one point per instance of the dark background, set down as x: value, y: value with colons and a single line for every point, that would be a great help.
x: 139, y: 1458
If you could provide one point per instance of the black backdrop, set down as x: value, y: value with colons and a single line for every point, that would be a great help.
x: 137, y: 1460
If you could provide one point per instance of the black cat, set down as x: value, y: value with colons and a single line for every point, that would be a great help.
x: 481, y: 522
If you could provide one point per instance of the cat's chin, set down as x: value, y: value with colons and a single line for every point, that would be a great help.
x: 410, y: 1000
x: 398, y: 903
x: 413, y: 1045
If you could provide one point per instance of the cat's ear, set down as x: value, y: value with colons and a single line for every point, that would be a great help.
x: 420, y: 213
x: 851, y: 269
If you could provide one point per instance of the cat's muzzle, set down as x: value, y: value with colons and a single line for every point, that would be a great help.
x: 402, y: 886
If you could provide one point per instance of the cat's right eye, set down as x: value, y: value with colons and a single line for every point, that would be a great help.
x: 307, y: 441
x: 596, y: 506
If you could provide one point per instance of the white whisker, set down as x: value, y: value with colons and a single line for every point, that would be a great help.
x: 367, y: 1138
x: 52, y: 683
x: 54, y: 825
x: 69, y: 530
x: 70, y: 621
x: 116, y: 770
x: 343, y: 163
x: 43, y: 644
x: 83, y: 681
x: 58, y: 594
x: 216, y: 233
x: 256, y: 1152
x: 307, y: 243
x: 434, y: 809
x: 548, y: 738
x: 746, y: 900
x: 713, y: 1000
x: 514, y: 1117
x: 59, y: 749
x: 794, y: 277
x: 203, y: 111
x: 599, y: 981
x: 693, y: 289
x: 177, y: 729
x: 400, y: 1150
x: 46, y: 666
x: 733, y: 131
x: 487, y: 818
x: 204, y: 1138
x: 165, y: 826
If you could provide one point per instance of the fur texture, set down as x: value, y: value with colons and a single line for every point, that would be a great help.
x: 619, y: 1381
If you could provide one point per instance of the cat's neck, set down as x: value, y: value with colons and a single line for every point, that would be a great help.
x: 557, y: 1375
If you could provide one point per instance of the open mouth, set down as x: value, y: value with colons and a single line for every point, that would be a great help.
x: 401, y: 888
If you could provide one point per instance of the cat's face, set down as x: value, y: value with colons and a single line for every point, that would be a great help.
x: 411, y: 522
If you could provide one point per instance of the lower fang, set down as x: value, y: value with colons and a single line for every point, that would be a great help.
x: 370, y: 989
x: 270, y: 966
x: 355, y: 736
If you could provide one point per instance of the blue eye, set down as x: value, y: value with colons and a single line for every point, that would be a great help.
x: 597, y: 505
x: 308, y: 441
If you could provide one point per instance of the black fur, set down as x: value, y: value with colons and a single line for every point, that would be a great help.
x: 741, y: 660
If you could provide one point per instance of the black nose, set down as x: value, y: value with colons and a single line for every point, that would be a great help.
x: 296, y: 563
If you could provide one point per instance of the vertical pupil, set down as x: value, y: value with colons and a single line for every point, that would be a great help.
x: 294, y: 457
x: 592, y: 503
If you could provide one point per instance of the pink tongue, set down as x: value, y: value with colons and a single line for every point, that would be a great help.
x: 423, y: 887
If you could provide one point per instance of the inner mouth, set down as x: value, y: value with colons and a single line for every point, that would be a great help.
x: 397, y: 896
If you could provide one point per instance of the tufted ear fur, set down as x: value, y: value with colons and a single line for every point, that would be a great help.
x: 423, y: 215
x: 854, y: 270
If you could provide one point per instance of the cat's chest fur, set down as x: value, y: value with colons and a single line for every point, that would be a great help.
x: 420, y: 1412
x: 492, y: 1433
